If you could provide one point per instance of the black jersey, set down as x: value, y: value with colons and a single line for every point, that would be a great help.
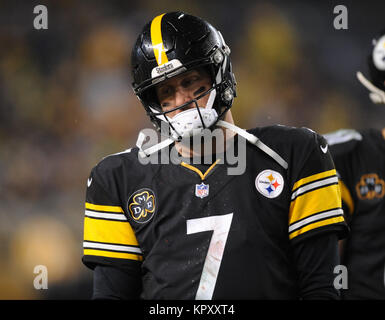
x: 201, y: 233
x: 359, y: 157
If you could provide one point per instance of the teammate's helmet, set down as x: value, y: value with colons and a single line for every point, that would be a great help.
x: 376, y: 61
x: 376, y: 64
x: 171, y: 44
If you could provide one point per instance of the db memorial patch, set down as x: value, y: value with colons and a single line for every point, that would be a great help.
x: 142, y: 205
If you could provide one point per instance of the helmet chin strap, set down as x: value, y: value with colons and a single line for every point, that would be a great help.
x: 255, y: 141
x: 376, y: 94
x: 155, y: 148
x: 248, y: 136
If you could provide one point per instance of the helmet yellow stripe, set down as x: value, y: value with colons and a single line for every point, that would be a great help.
x: 157, y: 40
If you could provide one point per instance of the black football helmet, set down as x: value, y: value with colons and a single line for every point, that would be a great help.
x: 376, y: 66
x: 173, y: 43
x: 376, y: 61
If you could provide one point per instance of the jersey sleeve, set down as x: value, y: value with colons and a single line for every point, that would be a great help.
x: 315, y: 205
x: 108, y: 236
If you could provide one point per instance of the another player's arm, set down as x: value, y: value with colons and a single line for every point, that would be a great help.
x: 316, y: 222
x: 342, y: 145
x: 348, y: 208
x: 110, y: 246
x: 347, y: 200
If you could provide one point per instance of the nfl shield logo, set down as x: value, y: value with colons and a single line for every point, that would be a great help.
x: 201, y: 190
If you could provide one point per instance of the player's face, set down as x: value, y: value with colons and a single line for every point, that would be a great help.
x: 180, y: 89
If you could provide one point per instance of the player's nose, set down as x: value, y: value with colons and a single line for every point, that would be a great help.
x: 182, y: 97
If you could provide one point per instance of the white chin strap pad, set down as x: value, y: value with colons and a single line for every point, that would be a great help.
x: 185, y: 124
x: 189, y: 123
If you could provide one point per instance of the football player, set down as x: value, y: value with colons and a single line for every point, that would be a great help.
x: 359, y: 157
x: 182, y: 231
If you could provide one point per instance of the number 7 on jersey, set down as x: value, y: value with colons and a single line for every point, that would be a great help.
x: 220, y: 226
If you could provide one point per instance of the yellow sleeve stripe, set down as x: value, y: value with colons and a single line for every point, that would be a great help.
x: 314, y: 177
x: 111, y: 254
x: 97, y: 207
x: 109, y: 231
x: 318, y: 200
x: 314, y: 185
x: 316, y: 225
x: 346, y: 196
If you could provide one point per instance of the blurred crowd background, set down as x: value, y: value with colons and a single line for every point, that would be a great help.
x: 66, y: 102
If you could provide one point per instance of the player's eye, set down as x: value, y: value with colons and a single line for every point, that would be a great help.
x: 199, y: 91
x: 187, y: 82
x: 165, y: 91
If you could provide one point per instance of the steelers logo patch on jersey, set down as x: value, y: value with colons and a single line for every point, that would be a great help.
x: 141, y: 205
x: 370, y: 187
x: 269, y: 183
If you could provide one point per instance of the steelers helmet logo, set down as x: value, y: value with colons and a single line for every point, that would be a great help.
x: 269, y: 183
x: 141, y: 205
x: 379, y: 54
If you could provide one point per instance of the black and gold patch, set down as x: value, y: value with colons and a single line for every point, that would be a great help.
x: 370, y: 187
x: 141, y: 205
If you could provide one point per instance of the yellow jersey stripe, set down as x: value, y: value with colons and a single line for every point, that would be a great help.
x: 96, y: 207
x: 346, y: 196
x: 314, y: 201
x: 314, y: 185
x: 203, y: 176
x: 118, y: 232
x: 157, y: 40
x: 314, y: 177
x: 111, y: 254
x: 316, y: 225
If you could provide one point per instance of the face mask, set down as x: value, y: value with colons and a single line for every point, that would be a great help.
x: 192, y: 122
